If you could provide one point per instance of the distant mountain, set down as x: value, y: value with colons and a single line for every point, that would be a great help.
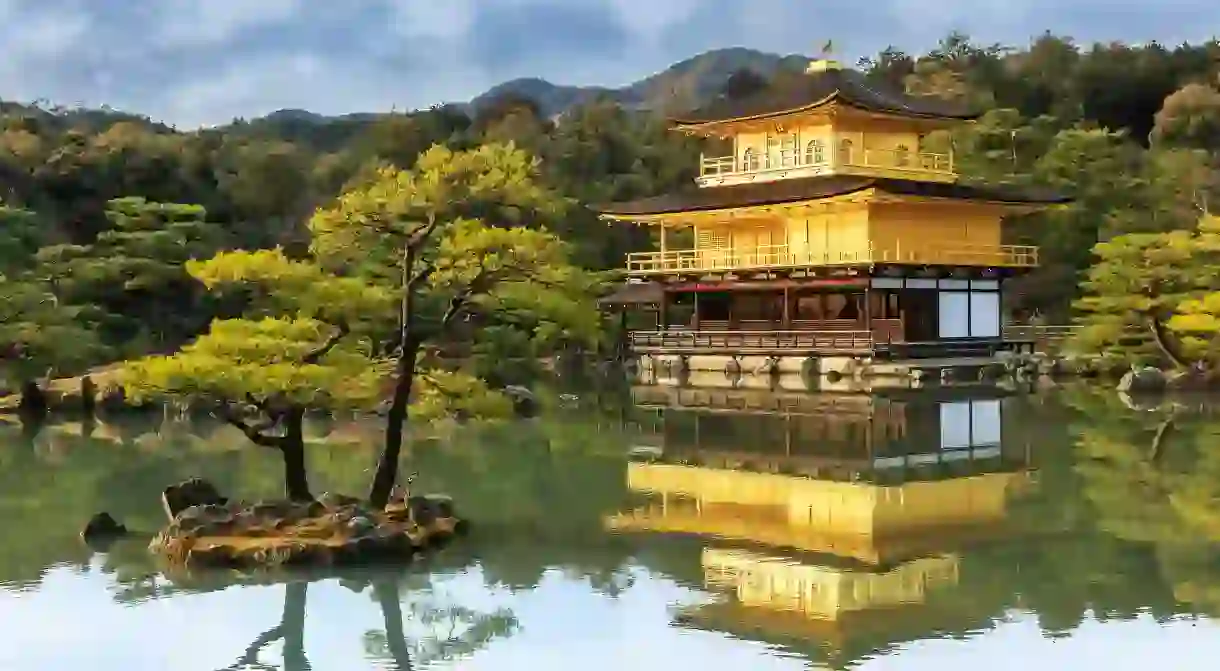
x: 683, y: 84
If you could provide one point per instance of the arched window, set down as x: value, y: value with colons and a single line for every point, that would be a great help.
x: 845, y: 151
x: 902, y: 156
x: 815, y: 152
x: 750, y: 160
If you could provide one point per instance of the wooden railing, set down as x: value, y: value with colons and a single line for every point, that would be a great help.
x: 829, y: 159
x: 718, y: 165
x: 762, y: 341
x: 783, y: 256
x: 1045, y: 337
x: 894, y: 159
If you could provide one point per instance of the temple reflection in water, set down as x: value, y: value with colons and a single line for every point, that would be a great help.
x: 835, y: 521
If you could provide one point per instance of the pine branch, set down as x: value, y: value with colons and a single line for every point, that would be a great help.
x: 316, y: 355
x: 225, y: 411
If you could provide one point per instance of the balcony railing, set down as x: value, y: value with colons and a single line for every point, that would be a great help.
x: 782, y: 256
x: 891, y: 160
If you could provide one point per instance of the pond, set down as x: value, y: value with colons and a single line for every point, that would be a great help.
x: 680, y: 529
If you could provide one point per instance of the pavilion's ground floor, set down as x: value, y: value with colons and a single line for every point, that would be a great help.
x: 882, y: 317
x: 829, y: 333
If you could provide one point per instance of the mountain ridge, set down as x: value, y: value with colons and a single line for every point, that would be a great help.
x: 683, y: 85
x: 686, y: 82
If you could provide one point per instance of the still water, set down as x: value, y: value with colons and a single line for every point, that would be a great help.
x: 706, y: 530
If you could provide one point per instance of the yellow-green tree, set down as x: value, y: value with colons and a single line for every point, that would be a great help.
x: 1139, y: 283
x: 408, y: 272
x: 276, y: 368
x: 449, y: 236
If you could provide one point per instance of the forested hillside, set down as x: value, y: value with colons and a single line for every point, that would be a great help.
x: 1133, y: 132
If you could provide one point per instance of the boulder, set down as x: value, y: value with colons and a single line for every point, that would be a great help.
x: 1146, y: 380
x: 190, y: 493
x: 102, y: 527
x: 525, y: 403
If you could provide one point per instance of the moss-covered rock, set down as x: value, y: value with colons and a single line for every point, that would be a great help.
x: 335, y: 531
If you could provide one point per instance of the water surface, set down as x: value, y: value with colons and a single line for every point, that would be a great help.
x: 749, y: 531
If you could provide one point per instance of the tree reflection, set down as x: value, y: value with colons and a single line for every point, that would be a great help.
x: 452, y: 631
x: 290, y: 630
x: 1154, y: 479
x: 395, y: 641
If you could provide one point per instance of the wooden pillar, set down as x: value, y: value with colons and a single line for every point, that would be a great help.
x: 695, y: 315
x: 624, y: 337
x: 788, y: 435
x: 786, y: 319
x: 663, y: 312
x: 868, y: 309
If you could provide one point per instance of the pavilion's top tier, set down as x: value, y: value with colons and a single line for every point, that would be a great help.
x: 827, y: 120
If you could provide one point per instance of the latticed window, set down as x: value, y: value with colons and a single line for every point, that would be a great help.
x: 815, y: 152
x: 710, y: 238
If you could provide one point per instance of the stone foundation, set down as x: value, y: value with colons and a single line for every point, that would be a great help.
x: 829, y: 373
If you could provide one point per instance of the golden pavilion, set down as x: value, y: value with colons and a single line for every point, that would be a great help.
x: 822, y: 225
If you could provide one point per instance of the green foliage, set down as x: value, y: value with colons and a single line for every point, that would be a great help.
x: 135, y: 272
x: 442, y: 394
x: 38, y: 334
x: 265, y: 358
x: 451, y: 229
x: 1144, y: 276
x: 398, y: 231
x: 21, y: 234
x: 285, y: 286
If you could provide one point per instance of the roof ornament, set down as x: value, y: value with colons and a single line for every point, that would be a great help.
x: 826, y: 61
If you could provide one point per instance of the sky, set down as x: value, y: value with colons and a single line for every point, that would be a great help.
x: 205, y: 62
x: 71, y: 621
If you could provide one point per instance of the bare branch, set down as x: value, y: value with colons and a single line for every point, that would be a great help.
x: 456, y: 305
x: 342, y: 329
x: 418, y: 238
x: 225, y: 411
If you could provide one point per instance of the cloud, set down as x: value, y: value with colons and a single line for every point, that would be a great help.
x: 191, y: 22
x: 190, y: 62
x: 32, y: 41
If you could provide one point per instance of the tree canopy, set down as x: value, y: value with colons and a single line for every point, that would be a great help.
x: 403, y: 268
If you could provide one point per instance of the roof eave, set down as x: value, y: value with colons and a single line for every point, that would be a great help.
x: 693, y: 123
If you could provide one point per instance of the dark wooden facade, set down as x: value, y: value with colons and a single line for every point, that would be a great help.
x: 885, y: 316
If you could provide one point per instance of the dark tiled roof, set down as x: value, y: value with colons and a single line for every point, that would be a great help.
x: 809, y: 89
x: 812, y: 188
x: 632, y: 294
